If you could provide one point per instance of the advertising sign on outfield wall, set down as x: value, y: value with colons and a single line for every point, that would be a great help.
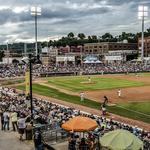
x: 112, y: 58
x: 65, y: 58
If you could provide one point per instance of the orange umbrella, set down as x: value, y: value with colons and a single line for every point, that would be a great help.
x: 80, y: 124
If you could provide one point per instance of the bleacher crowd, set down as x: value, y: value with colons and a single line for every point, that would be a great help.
x: 15, y: 109
x: 38, y: 70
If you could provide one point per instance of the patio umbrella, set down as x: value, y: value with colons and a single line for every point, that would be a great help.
x: 121, y: 140
x: 80, y: 124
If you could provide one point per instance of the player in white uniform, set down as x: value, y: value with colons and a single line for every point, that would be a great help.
x: 82, y: 96
x: 119, y: 93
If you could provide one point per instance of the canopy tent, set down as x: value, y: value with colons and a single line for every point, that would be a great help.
x: 98, y: 62
x: 136, y: 60
x: 121, y: 140
x: 91, y: 60
x: 87, y: 62
x: 80, y: 124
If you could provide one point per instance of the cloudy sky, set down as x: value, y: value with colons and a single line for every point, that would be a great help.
x: 59, y: 17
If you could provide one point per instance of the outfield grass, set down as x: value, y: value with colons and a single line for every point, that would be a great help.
x: 141, y: 107
x: 122, y: 110
x: 130, y: 111
x: 80, y: 83
x: 54, y: 93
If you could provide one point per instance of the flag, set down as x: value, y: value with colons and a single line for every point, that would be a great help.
x: 27, y: 82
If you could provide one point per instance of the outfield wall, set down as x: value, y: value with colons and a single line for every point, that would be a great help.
x: 49, y: 74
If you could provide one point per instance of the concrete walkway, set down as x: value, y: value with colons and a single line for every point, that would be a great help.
x: 9, y: 140
x: 61, y: 146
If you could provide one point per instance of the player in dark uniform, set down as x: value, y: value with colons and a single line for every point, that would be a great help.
x: 103, y: 106
x: 105, y: 100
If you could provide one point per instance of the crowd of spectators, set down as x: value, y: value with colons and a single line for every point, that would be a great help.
x: 12, y: 70
x: 19, y: 70
x: 15, y: 108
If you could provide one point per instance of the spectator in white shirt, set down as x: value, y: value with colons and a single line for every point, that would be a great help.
x: 14, y: 120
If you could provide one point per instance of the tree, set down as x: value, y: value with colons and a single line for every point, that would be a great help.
x: 94, y: 37
x: 90, y: 39
x: 44, y: 44
x: 50, y: 43
x: 130, y: 37
x: 107, y: 37
x: 81, y: 36
x: 71, y: 35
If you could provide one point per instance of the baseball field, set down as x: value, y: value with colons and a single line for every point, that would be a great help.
x: 134, y: 102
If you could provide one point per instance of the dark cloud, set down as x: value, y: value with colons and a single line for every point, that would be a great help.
x: 73, y: 13
x: 121, y: 2
x: 62, y: 16
x: 7, y: 15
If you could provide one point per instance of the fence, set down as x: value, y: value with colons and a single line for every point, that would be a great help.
x: 52, y: 134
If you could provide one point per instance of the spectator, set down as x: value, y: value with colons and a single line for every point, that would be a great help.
x: 21, y: 126
x: 72, y: 142
x: 2, y: 120
x: 6, y: 120
x: 38, y: 144
x: 83, y: 145
x: 14, y: 120
x: 55, y: 115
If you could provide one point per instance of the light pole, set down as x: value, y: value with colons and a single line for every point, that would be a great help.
x: 36, y: 11
x: 25, y: 49
x: 29, y: 61
x: 7, y: 53
x: 81, y: 50
x: 30, y: 85
x: 142, y: 15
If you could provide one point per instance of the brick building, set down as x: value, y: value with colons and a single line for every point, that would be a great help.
x: 146, y: 46
x: 104, y: 47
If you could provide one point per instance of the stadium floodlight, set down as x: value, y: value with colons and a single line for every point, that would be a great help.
x: 36, y: 11
x: 142, y: 15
